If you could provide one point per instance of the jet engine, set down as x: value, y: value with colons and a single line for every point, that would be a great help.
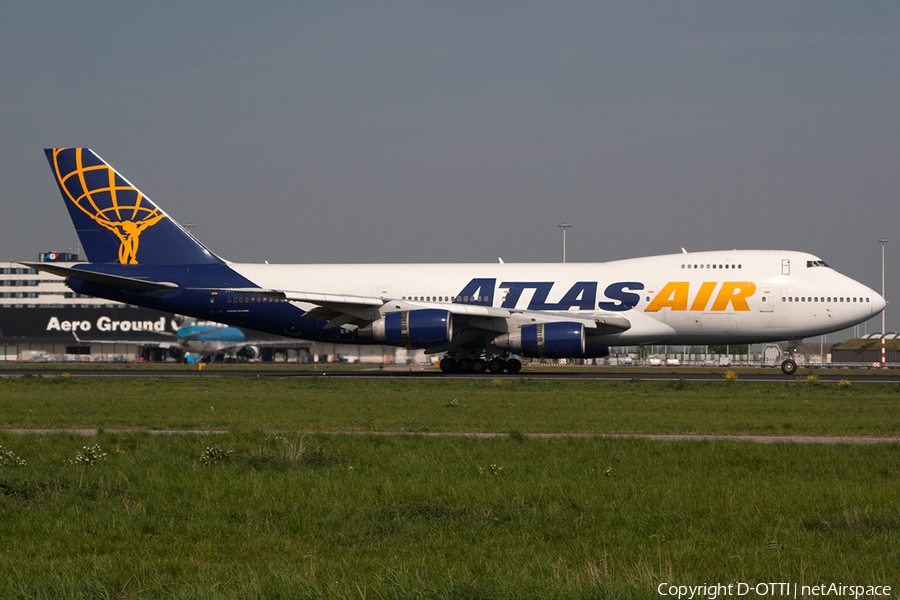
x: 248, y: 352
x: 545, y: 340
x: 421, y: 328
x: 596, y: 352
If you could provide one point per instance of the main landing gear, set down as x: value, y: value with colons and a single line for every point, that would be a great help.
x: 469, y: 364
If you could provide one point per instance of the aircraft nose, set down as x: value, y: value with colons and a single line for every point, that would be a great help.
x: 878, y: 303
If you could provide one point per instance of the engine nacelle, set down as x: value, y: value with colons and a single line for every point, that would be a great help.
x: 249, y: 352
x: 421, y: 328
x: 596, y: 352
x: 176, y: 352
x: 545, y: 340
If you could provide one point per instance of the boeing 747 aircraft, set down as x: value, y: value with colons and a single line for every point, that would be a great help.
x: 477, y: 315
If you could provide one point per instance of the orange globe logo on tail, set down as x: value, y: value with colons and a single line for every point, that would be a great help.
x: 104, y: 196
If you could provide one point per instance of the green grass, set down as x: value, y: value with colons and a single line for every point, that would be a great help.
x: 487, y: 405
x: 401, y: 516
x: 311, y: 513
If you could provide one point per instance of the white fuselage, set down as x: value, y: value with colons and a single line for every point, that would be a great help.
x: 700, y: 297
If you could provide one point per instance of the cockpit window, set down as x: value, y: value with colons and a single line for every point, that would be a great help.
x: 816, y: 263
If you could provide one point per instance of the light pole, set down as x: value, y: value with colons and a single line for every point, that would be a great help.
x: 564, y: 227
x: 882, y: 241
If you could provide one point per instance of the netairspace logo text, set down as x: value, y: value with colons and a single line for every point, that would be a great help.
x: 770, y: 590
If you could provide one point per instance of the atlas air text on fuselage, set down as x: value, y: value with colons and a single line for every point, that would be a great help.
x: 617, y: 297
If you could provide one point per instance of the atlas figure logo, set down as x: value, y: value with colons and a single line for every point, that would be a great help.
x: 101, y: 194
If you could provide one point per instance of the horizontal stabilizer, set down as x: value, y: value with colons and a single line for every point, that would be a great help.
x: 115, y: 281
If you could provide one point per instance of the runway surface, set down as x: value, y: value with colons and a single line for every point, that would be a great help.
x: 621, y: 374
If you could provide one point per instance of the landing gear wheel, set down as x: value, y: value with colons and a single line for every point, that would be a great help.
x: 496, y: 365
x: 513, y: 365
x: 448, y: 365
x: 478, y: 365
x: 789, y: 367
x: 464, y: 365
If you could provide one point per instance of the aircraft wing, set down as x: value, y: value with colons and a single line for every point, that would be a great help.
x: 346, y: 309
x: 312, y: 298
x: 337, y: 309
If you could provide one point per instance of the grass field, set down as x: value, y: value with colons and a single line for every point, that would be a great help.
x: 258, y: 514
x: 487, y: 405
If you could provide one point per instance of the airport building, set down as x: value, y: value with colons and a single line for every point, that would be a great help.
x: 42, y: 319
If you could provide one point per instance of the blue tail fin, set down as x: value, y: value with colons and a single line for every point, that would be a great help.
x: 116, y: 223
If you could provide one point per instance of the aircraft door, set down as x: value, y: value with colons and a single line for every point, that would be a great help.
x: 767, y: 299
x: 381, y: 291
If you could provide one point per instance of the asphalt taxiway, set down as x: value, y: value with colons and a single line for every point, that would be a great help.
x: 775, y: 376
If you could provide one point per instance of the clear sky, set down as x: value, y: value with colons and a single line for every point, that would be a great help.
x: 463, y: 131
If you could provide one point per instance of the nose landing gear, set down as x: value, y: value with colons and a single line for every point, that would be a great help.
x: 789, y: 367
